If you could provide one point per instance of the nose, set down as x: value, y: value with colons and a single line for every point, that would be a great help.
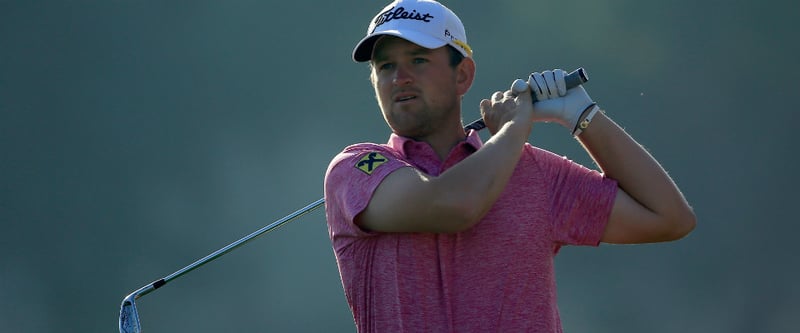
x: 402, y: 76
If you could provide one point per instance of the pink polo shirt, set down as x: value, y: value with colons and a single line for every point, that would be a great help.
x: 497, y: 276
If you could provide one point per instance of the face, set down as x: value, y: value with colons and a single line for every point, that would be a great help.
x: 418, y: 91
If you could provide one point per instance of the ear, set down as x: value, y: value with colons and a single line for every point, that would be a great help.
x: 465, y: 74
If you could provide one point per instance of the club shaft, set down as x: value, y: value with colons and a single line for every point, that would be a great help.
x: 230, y: 247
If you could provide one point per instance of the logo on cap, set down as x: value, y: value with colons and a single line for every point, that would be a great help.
x: 400, y: 13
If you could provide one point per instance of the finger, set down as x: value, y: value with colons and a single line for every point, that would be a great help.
x: 518, y: 87
x: 509, y: 101
x: 485, y: 105
x: 497, y: 96
x: 536, y: 82
x: 561, y: 83
x: 550, y: 81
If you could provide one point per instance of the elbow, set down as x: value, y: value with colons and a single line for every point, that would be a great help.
x: 689, y: 222
x: 469, y: 218
x: 460, y: 214
x: 652, y: 228
x: 460, y: 222
x: 682, y: 224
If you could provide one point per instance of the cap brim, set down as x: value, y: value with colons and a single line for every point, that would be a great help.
x: 363, y: 50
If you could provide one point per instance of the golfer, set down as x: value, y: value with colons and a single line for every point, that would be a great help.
x: 437, y: 231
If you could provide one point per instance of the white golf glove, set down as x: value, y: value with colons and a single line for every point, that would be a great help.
x: 554, y: 103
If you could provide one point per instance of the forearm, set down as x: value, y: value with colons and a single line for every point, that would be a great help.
x: 471, y: 187
x: 478, y: 181
x: 408, y: 200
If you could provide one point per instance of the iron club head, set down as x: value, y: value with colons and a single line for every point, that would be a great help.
x: 129, y: 316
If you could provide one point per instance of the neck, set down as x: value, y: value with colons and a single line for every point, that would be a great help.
x: 444, y: 140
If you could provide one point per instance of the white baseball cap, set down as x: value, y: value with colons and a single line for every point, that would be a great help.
x: 426, y: 23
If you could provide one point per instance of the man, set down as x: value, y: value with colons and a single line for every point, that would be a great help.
x: 436, y: 231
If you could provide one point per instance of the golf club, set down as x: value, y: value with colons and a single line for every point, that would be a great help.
x: 128, y: 314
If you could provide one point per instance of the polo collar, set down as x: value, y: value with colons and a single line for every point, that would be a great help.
x: 402, y: 144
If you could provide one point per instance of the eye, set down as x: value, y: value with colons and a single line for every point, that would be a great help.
x: 385, y: 66
x: 420, y: 60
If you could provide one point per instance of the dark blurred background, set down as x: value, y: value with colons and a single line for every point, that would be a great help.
x: 139, y: 136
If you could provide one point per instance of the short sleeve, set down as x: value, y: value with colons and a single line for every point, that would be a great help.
x: 351, y: 179
x: 581, y: 200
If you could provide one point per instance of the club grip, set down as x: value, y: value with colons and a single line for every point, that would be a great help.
x: 576, y: 78
x: 572, y: 80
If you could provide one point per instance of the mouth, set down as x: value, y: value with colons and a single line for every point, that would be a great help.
x: 404, y: 97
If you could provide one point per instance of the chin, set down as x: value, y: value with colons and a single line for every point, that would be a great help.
x: 411, y: 126
x: 406, y: 131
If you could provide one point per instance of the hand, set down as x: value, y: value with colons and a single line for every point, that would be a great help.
x: 506, y: 106
x: 554, y: 102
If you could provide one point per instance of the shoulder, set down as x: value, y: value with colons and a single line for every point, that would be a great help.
x: 369, y: 155
x: 352, y: 177
x: 559, y: 169
x: 542, y: 158
x: 556, y: 170
x: 364, y: 163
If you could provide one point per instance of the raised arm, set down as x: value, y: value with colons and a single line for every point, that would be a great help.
x: 408, y: 200
x: 649, y: 206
